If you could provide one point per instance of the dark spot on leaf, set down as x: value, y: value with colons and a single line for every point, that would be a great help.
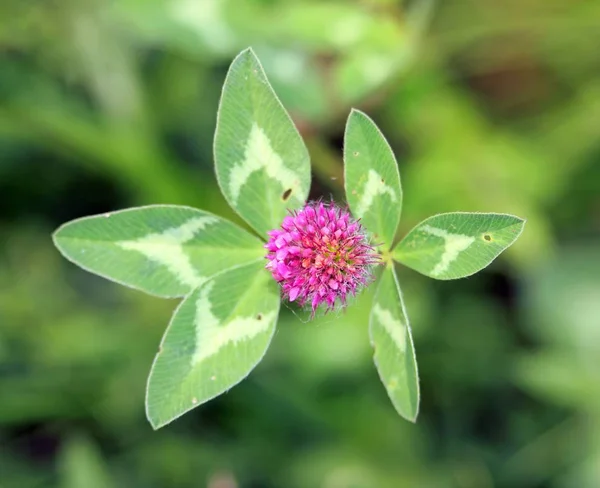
x: 487, y: 237
x: 286, y: 194
x: 259, y: 317
x: 355, y: 153
x: 382, y: 180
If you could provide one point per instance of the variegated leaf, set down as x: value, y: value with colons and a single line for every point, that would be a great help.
x: 458, y: 244
x: 394, y: 350
x: 165, y: 250
x: 216, y: 337
x: 371, y: 178
x: 262, y: 164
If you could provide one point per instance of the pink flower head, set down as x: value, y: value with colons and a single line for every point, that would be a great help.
x: 320, y: 254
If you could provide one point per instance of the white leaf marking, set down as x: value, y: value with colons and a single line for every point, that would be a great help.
x: 373, y: 187
x: 212, y: 334
x: 166, y: 248
x: 393, y: 326
x: 454, y: 244
x: 260, y: 155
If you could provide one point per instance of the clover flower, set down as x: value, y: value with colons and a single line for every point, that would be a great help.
x: 319, y: 255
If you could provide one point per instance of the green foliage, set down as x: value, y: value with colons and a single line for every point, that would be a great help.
x: 446, y: 246
x: 107, y: 105
x: 215, y: 338
x: 165, y: 250
x: 391, y: 338
x: 371, y: 178
x: 223, y: 327
x: 455, y: 245
x: 262, y: 165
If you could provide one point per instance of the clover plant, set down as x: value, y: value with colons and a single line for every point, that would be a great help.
x: 315, y: 253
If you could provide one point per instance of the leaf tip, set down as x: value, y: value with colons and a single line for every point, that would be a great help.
x: 154, y: 422
x: 249, y: 50
x: 412, y: 420
x: 357, y: 113
x: 54, y: 236
x: 520, y: 222
x: 247, y: 53
x: 412, y: 412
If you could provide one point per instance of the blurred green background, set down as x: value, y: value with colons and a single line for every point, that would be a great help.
x: 489, y: 105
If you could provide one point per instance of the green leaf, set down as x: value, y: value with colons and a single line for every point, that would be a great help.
x: 372, y: 180
x: 458, y: 244
x: 164, y: 250
x: 394, y: 350
x: 262, y: 164
x: 216, y: 337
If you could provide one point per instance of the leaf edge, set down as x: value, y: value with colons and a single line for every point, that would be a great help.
x: 54, y: 237
x: 409, y: 331
x: 394, y: 251
x: 362, y: 114
x: 156, y: 426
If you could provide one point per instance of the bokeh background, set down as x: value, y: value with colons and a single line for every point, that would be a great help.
x: 489, y: 105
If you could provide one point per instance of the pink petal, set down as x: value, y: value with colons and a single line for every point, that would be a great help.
x: 283, y: 270
x: 288, y: 223
x: 294, y: 293
x: 280, y: 242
